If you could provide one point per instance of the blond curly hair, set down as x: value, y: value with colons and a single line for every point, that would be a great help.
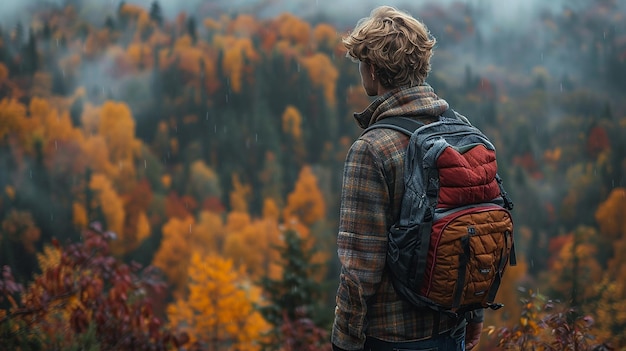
x: 398, y: 45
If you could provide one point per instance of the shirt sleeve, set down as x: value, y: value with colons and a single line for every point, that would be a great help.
x: 361, y: 243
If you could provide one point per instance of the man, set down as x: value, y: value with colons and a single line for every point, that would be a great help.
x: 393, y: 50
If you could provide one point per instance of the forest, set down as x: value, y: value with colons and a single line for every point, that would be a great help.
x: 171, y: 182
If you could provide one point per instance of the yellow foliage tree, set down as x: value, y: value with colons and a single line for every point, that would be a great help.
x: 610, y: 310
x: 112, y: 207
x: 4, y: 73
x: 12, y: 118
x: 97, y: 156
x: 117, y: 127
x: 244, y: 25
x: 294, y: 29
x: 323, y: 74
x: 271, y: 210
x: 209, y: 233
x: 175, y: 251
x: 50, y: 125
x: 140, y: 54
x: 251, y: 247
x: 306, y: 202
x: 131, y: 12
x: 575, y: 271
x: 239, y: 54
x: 239, y: 196
x: 611, y: 214
x: 292, y: 121
x: 306, y: 206
x: 325, y: 35
x: 219, y: 310
x: 79, y: 215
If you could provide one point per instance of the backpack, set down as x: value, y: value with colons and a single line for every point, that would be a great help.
x: 454, y: 237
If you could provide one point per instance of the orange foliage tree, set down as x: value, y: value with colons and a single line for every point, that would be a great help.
x: 574, y: 268
x: 111, y: 205
x: 323, y: 74
x: 306, y: 203
x: 305, y: 206
x: 294, y: 30
x: 611, y: 214
x: 240, y: 195
x: 18, y: 227
x: 249, y: 243
x: 611, y: 303
x: 292, y: 122
x: 117, y: 127
x: 292, y: 127
x: 219, y: 312
x: 239, y: 54
x: 174, y: 253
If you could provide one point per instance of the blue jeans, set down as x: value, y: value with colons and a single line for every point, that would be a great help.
x: 451, y: 341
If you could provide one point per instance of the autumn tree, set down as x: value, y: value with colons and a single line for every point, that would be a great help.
x: 111, y: 205
x: 305, y: 207
x: 175, y: 250
x: 611, y: 214
x: 249, y: 241
x: 117, y: 127
x: 612, y: 289
x: 203, y: 182
x: 574, y: 268
x: 292, y: 128
x: 306, y: 202
x: 218, y: 313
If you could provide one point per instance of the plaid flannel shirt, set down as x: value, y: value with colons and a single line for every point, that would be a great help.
x: 366, y: 302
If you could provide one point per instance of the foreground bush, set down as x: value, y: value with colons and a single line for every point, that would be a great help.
x: 546, y: 325
x: 83, y: 299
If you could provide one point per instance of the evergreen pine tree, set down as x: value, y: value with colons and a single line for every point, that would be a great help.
x: 192, y: 29
x: 295, y: 296
x: 156, y: 14
x: 31, y: 57
x: 109, y: 23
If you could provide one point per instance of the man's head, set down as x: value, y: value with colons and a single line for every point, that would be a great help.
x: 395, y: 47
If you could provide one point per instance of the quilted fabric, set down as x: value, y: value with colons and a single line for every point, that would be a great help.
x: 468, y: 177
x: 477, y: 237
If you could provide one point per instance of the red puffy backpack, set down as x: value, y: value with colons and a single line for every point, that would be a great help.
x: 454, y: 238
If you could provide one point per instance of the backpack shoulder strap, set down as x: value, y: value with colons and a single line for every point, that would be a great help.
x: 402, y: 124
x: 449, y: 113
x: 405, y: 125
